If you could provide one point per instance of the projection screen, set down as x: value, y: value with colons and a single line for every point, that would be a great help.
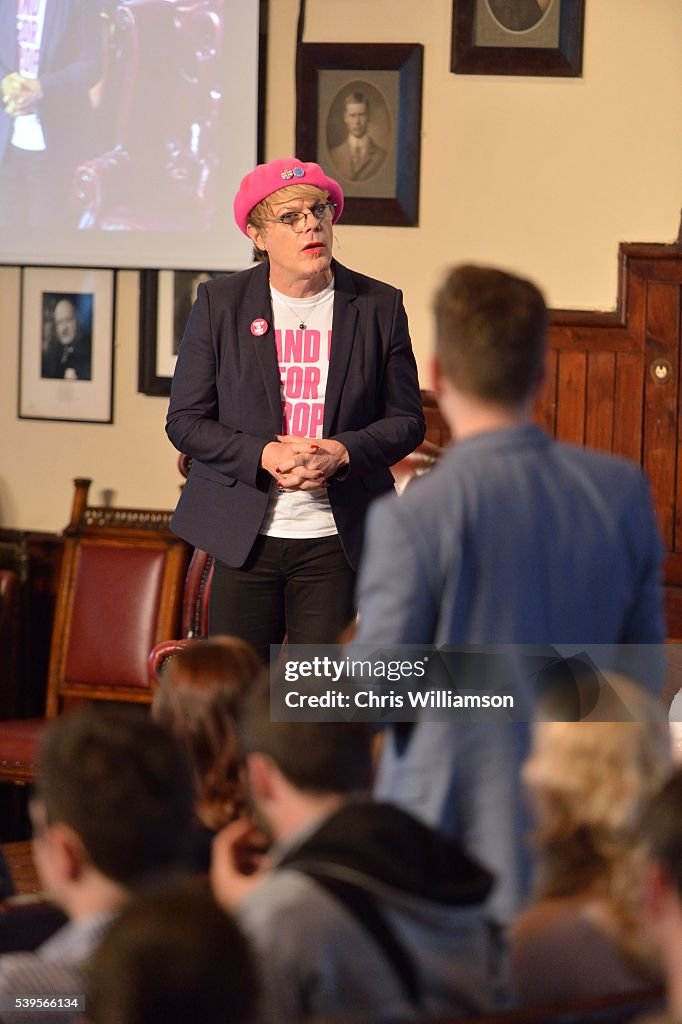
x: 148, y: 119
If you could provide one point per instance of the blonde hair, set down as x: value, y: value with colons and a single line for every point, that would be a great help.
x: 590, y: 783
x: 197, y: 699
x: 262, y: 212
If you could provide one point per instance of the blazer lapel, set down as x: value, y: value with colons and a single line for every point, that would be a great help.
x: 344, y: 326
x: 257, y: 305
x: 49, y: 35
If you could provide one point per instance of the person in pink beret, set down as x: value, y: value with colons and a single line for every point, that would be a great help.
x: 295, y: 391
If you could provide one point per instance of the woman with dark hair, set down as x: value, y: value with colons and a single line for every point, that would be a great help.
x: 197, y: 700
x: 172, y: 955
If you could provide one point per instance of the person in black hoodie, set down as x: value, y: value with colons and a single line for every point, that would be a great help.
x: 358, y: 911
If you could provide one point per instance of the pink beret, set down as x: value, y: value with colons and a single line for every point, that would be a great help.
x: 265, y: 179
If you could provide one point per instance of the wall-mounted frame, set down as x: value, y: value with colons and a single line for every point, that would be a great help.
x: 517, y: 37
x: 379, y: 85
x: 66, y: 364
x: 166, y: 297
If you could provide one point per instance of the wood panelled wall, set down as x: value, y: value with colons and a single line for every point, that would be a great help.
x: 613, y: 382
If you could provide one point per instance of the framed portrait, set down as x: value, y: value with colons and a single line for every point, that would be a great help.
x: 517, y: 37
x: 166, y: 298
x: 359, y: 117
x: 66, y: 359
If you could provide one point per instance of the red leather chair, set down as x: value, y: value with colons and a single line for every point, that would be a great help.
x: 418, y: 462
x: 194, y: 614
x: 119, y: 594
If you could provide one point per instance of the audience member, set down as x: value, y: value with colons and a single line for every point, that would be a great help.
x: 112, y: 811
x: 197, y: 699
x: 511, y: 538
x: 360, y: 912
x: 662, y: 882
x: 589, y: 783
x: 172, y: 956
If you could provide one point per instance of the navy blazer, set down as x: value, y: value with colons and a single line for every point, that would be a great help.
x: 70, y: 63
x: 226, y: 405
x: 513, y: 538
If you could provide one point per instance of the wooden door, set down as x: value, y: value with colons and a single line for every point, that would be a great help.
x: 613, y: 382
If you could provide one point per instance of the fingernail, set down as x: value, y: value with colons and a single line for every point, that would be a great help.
x: 314, y: 447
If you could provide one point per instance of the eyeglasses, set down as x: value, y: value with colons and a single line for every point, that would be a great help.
x: 299, y: 221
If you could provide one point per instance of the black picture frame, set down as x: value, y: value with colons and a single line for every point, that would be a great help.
x: 166, y: 297
x: 390, y: 77
x: 483, y: 44
x: 66, y: 348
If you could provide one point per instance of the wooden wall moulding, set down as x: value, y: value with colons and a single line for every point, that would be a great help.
x: 613, y: 383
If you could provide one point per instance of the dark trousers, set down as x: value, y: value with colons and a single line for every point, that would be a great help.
x: 303, y: 589
x: 34, y: 190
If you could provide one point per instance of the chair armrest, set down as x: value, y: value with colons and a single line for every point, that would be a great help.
x: 159, y: 655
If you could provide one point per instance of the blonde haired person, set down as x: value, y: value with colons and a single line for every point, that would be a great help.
x: 197, y: 700
x: 295, y: 391
x: 589, y: 783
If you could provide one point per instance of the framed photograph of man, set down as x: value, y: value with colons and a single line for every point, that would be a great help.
x: 359, y: 117
x: 517, y: 37
x: 67, y: 333
x: 166, y: 298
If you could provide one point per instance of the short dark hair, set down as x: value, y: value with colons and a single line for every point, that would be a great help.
x: 490, y: 333
x: 356, y: 97
x: 316, y: 757
x: 123, y: 784
x: 662, y: 828
x: 172, y: 955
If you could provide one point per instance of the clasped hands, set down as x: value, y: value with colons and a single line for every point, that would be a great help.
x: 20, y: 95
x: 303, y: 463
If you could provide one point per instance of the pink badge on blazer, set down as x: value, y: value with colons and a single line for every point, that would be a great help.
x: 259, y: 327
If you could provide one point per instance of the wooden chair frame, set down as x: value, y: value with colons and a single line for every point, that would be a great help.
x: 97, y: 527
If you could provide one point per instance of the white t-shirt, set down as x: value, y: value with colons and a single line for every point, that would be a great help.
x: 27, y: 132
x: 303, y: 358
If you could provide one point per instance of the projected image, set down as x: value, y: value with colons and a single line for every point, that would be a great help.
x: 44, y: 132
x: 123, y: 116
x: 67, y: 337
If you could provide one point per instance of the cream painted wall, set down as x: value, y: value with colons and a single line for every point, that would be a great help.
x: 544, y: 176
